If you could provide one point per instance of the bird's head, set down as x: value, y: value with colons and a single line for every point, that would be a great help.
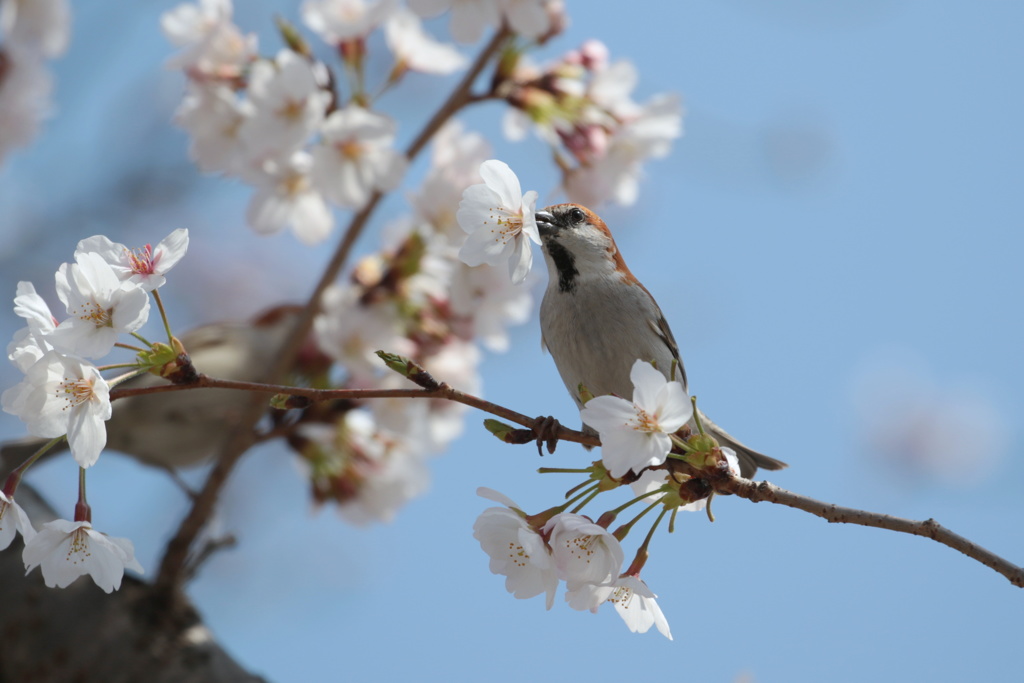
x: 578, y: 245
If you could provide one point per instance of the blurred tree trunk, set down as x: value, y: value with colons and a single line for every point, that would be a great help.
x: 82, y: 634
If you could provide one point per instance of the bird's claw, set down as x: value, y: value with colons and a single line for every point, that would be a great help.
x: 546, y: 428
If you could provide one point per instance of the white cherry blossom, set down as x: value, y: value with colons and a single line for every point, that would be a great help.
x: 13, y: 520
x: 528, y: 18
x: 67, y: 550
x: 29, y: 343
x: 636, y: 604
x: 456, y: 155
x: 288, y: 106
x: 498, y: 218
x: 336, y: 21
x: 24, y: 100
x: 286, y: 197
x: 63, y: 395
x: 99, y: 305
x: 144, y: 266
x: 213, y: 48
x: 616, y: 175
x: 487, y: 301
x: 469, y: 17
x: 516, y: 550
x: 356, y: 157
x: 635, y: 434
x: 350, y: 331
x: 415, y: 49
x: 212, y: 115
x: 38, y: 28
x: 587, y: 556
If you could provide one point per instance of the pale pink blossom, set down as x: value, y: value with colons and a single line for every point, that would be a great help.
x: 144, y: 266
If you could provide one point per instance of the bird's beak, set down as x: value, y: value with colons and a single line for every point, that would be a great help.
x: 545, y: 223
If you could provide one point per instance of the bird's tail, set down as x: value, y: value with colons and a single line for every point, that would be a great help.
x: 749, y: 459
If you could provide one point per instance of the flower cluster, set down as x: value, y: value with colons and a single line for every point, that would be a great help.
x: 582, y: 106
x: 284, y: 124
x: 531, y: 19
x: 645, y: 443
x: 31, y: 32
x: 105, y: 293
x: 536, y: 552
x: 417, y: 299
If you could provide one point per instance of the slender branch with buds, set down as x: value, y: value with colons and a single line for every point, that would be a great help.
x: 723, y: 482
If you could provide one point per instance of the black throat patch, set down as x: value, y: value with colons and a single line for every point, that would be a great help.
x: 565, y: 264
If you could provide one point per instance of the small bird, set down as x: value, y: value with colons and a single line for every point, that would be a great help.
x: 597, y: 319
x: 184, y: 428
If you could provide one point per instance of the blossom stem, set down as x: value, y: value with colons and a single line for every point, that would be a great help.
x: 636, y: 500
x: 122, y: 345
x: 83, y: 513
x: 594, y: 492
x: 682, y: 445
x: 114, y: 366
x: 163, y: 316
x: 142, y: 339
x: 696, y: 415
x: 576, y: 488
x: 642, y: 553
x: 623, y: 530
x: 590, y: 491
x: 561, y: 470
x: 11, y: 485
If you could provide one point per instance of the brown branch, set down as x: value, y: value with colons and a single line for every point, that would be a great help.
x: 171, y: 572
x: 766, y: 491
x: 721, y: 482
x: 444, y: 392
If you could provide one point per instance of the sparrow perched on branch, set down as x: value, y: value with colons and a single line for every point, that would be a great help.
x: 597, y: 319
x: 183, y: 428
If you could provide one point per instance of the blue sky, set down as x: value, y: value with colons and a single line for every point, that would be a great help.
x: 835, y: 241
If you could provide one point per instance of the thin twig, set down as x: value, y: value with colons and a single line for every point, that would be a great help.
x: 171, y: 573
x: 929, y: 528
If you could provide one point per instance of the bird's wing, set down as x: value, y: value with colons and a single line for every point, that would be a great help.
x: 661, y: 328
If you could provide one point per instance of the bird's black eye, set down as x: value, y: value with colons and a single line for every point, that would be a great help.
x: 576, y: 216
